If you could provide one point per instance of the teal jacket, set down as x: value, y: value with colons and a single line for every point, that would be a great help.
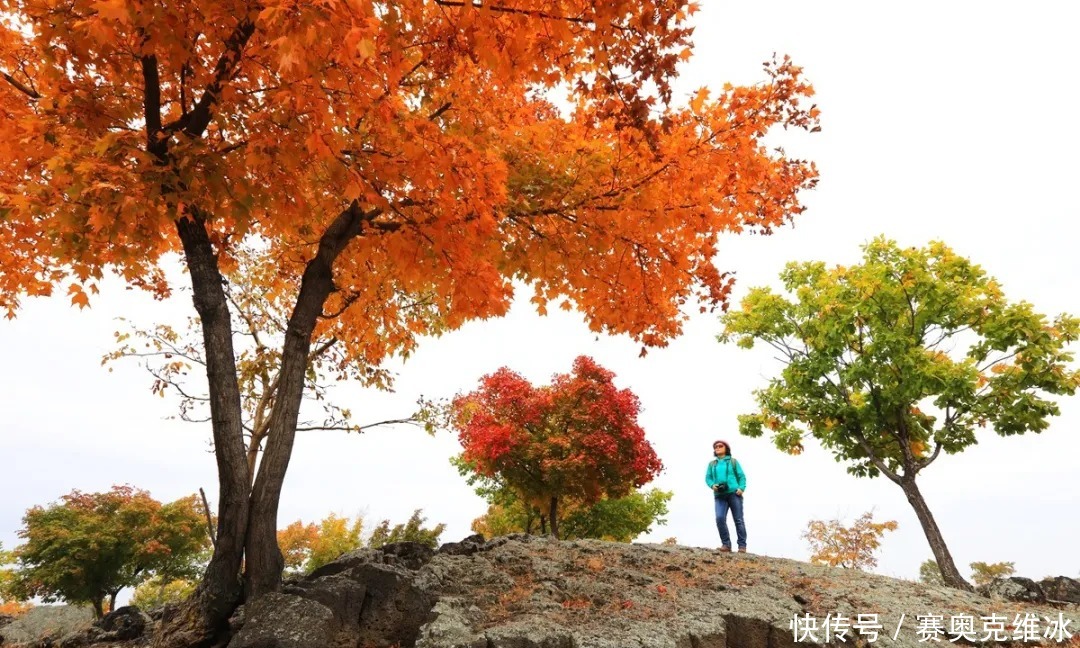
x: 720, y: 471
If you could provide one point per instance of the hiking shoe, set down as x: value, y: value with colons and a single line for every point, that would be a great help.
x: 725, y: 549
x: 741, y: 549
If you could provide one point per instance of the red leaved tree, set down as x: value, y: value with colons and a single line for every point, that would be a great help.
x: 577, y: 438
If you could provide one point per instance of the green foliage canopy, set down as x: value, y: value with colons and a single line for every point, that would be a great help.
x: 412, y: 530
x: 91, y: 545
x: 929, y: 573
x: 889, y: 362
x: 618, y: 519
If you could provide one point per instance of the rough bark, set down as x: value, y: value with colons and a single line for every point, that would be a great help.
x: 264, y: 564
x: 944, y: 559
x: 553, y: 515
x: 207, y: 611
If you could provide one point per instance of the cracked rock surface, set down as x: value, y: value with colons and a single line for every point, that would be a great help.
x: 535, y: 592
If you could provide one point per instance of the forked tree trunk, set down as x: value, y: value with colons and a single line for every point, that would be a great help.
x: 247, y: 511
x: 944, y: 559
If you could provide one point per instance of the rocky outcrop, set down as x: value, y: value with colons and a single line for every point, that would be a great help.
x: 1061, y: 589
x: 532, y: 592
x: 47, y: 623
x: 1014, y: 588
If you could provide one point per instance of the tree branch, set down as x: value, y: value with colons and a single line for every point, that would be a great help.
x: 26, y: 90
x: 209, y: 520
x: 525, y: 12
x: 194, y: 123
x: 151, y: 99
x: 878, y: 463
x: 929, y: 460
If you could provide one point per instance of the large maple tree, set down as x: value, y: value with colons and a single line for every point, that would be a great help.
x: 373, y: 153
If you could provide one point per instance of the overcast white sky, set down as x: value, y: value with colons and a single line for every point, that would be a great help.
x: 940, y: 120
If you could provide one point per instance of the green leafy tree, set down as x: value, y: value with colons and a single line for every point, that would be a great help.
x: 985, y: 573
x: 929, y: 573
x: 411, y: 530
x: 891, y: 361
x: 88, y: 547
x: 159, y: 591
x: 619, y: 519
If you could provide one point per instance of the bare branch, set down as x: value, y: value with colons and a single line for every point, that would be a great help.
x: 209, y: 521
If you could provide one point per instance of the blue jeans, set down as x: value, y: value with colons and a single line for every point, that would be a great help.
x: 735, y: 503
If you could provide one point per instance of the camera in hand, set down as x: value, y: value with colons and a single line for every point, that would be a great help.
x: 721, y: 489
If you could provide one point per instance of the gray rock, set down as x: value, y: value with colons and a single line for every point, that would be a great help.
x: 450, y: 628
x: 347, y: 561
x: 343, y: 596
x: 47, y: 623
x: 394, y: 607
x: 1061, y: 589
x: 411, y: 555
x: 466, y: 547
x: 529, y: 633
x: 278, y: 620
x: 1015, y: 588
x: 128, y: 622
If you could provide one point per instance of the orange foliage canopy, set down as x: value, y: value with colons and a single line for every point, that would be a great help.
x: 427, y: 120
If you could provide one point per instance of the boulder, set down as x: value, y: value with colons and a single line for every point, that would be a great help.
x: 466, y: 547
x: 279, y: 620
x: 411, y: 555
x: 395, y: 608
x: 1014, y: 588
x: 347, y: 561
x: 128, y: 622
x: 343, y: 596
x: 1061, y: 589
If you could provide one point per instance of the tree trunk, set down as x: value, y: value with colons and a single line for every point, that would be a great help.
x: 543, y: 525
x: 97, y: 603
x: 264, y: 563
x: 112, y: 600
x: 203, y: 615
x: 553, y: 515
x: 247, y: 511
x: 944, y: 559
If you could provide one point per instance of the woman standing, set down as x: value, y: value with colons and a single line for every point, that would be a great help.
x: 728, y: 481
